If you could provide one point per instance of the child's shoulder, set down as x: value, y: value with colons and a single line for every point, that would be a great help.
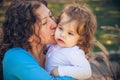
x: 73, y: 50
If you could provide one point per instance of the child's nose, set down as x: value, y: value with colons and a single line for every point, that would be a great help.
x: 63, y: 34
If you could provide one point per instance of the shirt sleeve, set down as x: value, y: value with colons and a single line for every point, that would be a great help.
x: 25, y: 67
x: 79, y: 69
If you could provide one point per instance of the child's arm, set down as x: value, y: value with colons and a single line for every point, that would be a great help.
x: 54, y: 72
x: 79, y: 69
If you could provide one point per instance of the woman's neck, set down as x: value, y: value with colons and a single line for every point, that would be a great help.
x: 37, y: 52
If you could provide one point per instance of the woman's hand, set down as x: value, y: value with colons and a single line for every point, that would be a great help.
x: 54, y: 72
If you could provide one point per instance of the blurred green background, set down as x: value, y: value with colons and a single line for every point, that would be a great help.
x: 106, y: 11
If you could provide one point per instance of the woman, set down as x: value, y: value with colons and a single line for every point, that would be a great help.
x: 27, y: 28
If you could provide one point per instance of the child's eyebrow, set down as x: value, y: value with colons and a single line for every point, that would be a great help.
x: 72, y: 31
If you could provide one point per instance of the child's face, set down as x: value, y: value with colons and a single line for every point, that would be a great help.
x: 66, y: 34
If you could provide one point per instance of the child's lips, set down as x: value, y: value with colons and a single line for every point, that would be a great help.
x: 60, y: 40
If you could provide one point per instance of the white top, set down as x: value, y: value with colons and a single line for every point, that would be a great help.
x: 70, y: 62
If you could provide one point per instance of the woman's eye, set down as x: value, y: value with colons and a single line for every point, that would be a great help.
x: 44, y: 23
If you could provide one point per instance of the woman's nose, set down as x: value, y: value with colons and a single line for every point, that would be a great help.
x: 54, y: 25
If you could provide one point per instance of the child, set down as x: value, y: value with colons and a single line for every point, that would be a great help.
x: 74, y: 34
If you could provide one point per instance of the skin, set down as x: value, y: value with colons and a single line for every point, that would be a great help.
x: 45, y: 29
x: 66, y: 34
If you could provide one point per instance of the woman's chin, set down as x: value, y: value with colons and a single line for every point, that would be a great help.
x: 53, y: 41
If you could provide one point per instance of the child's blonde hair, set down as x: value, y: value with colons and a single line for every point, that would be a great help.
x: 85, y: 22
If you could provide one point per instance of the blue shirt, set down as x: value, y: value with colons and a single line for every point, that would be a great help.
x: 18, y: 64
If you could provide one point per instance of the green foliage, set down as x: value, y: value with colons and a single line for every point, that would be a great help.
x: 56, y: 8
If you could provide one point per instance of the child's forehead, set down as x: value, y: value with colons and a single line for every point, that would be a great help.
x: 69, y: 25
x: 64, y: 17
x: 66, y: 22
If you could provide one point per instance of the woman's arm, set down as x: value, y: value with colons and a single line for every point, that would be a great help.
x: 23, y: 66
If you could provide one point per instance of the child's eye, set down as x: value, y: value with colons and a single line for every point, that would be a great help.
x: 70, y: 33
x: 60, y: 28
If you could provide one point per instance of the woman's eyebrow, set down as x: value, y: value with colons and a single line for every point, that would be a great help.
x: 40, y: 18
x: 43, y: 18
x: 49, y: 13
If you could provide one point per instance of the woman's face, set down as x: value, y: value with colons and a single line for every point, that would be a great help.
x: 45, y: 27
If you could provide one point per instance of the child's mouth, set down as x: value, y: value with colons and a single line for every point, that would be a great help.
x: 60, y: 40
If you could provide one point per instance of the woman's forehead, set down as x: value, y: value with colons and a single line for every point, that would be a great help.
x: 42, y: 12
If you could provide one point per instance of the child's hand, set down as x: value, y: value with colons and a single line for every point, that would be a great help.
x: 55, y: 72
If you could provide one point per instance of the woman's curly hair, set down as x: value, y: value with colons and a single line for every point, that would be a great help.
x: 17, y: 26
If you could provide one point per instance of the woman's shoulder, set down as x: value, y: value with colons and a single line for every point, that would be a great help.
x: 15, y: 51
x: 18, y: 54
